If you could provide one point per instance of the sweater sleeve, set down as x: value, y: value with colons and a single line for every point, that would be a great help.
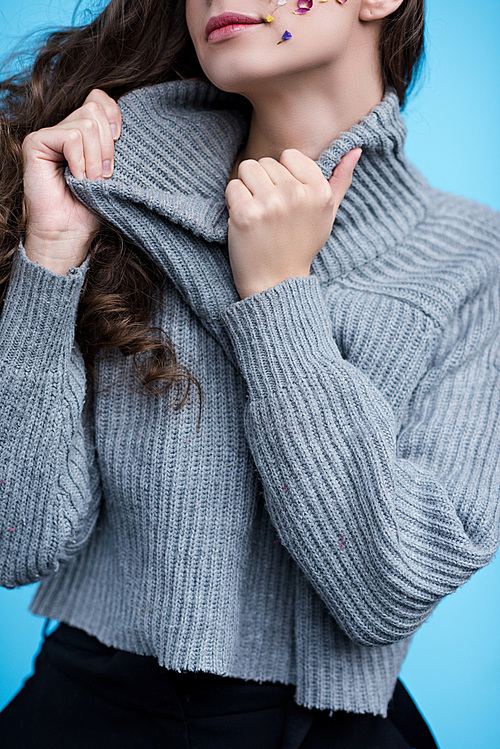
x: 49, y: 483
x: 383, y: 525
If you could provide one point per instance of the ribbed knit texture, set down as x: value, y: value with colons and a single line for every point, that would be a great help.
x: 346, y: 474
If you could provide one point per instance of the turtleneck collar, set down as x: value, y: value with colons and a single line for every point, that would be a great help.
x: 180, y: 138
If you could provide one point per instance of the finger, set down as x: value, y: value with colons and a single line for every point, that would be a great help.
x: 107, y: 105
x: 111, y: 110
x: 60, y: 144
x: 303, y: 168
x: 95, y: 110
x: 91, y: 132
x: 97, y: 145
x: 102, y: 108
x: 237, y: 194
x: 106, y: 139
x: 341, y: 178
x: 72, y: 150
x: 254, y: 177
x: 278, y: 174
x: 93, y: 137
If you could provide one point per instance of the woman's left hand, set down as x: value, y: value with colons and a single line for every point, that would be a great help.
x: 280, y: 215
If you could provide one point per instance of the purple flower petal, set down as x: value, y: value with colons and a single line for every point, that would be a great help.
x: 303, y: 6
x: 286, y: 35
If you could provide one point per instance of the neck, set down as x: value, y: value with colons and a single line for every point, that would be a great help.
x: 310, y: 109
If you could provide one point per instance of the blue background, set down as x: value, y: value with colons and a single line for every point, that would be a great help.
x: 453, y: 666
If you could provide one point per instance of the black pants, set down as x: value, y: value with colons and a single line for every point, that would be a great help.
x: 85, y: 695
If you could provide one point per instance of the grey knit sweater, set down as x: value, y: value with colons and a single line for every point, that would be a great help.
x: 346, y: 473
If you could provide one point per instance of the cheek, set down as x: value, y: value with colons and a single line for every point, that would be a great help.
x: 191, y: 18
x: 196, y: 18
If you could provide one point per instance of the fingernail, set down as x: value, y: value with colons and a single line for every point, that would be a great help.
x: 106, y: 168
x: 114, y: 130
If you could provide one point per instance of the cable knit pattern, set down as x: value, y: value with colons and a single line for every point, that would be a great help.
x: 345, y: 476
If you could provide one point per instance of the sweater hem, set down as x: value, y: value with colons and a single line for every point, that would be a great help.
x: 248, y: 673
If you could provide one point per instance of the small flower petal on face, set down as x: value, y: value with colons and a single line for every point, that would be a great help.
x: 303, y: 6
x: 281, y: 2
x: 285, y: 36
x: 269, y: 19
x: 323, y: 1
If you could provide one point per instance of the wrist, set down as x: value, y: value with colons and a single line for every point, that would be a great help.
x: 58, y: 254
x: 259, y: 286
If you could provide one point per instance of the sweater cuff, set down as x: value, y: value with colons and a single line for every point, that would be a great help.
x: 39, y: 313
x: 281, y: 334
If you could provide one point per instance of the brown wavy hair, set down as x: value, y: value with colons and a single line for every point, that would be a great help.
x: 130, y: 44
x: 402, y: 47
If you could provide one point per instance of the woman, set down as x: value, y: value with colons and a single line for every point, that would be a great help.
x: 243, y: 563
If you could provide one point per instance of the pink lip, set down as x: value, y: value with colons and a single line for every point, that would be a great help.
x: 229, y: 19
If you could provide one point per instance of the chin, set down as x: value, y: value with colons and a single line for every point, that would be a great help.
x: 229, y: 80
x: 239, y: 76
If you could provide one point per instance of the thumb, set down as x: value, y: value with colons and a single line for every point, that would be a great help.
x: 341, y: 178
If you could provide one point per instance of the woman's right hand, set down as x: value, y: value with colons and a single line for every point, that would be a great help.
x: 59, y: 226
